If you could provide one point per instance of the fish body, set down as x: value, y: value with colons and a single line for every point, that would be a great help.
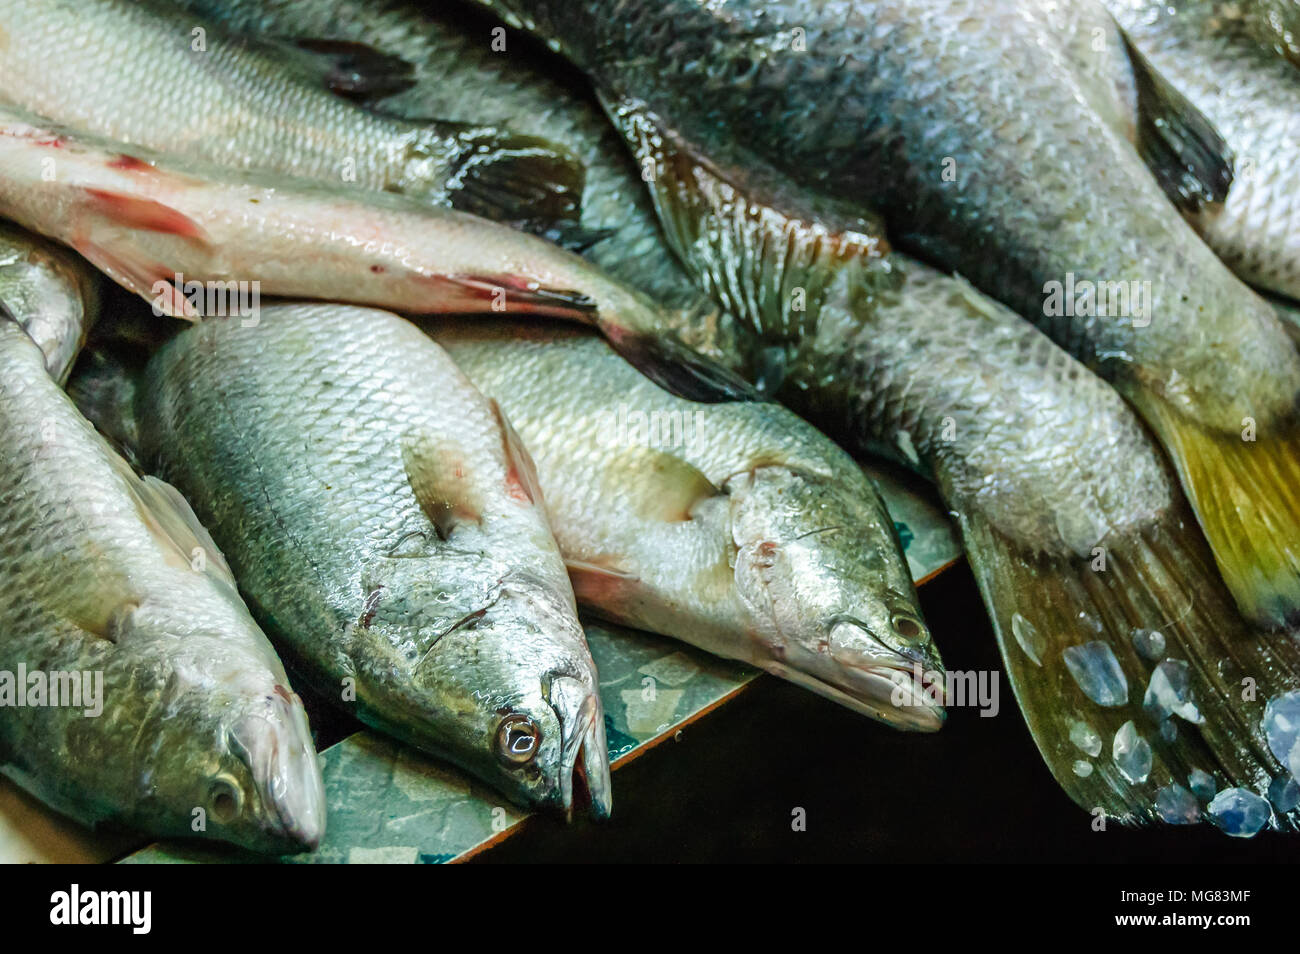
x: 107, y: 578
x: 382, y: 521
x: 184, y: 236
x: 1204, y: 47
x: 736, y: 527
x: 149, y: 76
x: 51, y: 293
x: 838, y: 113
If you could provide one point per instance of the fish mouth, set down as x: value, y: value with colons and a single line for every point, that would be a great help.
x: 888, y: 686
x: 584, y: 756
x: 286, y: 776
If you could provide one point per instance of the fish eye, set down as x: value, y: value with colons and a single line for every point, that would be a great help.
x: 224, y: 800
x: 907, y: 627
x: 518, y: 739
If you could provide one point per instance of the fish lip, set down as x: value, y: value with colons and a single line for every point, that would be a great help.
x: 867, y: 687
x: 583, y: 752
x: 286, y: 775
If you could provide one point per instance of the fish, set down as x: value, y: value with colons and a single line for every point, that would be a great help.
x: 1122, y: 644
x: 186, y: 725
x: 872, y: 117
x: 385, y: 525
x: 1252, y: 97
x: 193, y: 239
x: 142, y: 73
x: 51, y: 293
x: 735, y: 527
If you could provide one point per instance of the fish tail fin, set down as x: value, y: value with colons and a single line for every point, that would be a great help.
x: 503, y: 176
x: 1245, y: 489
x: 1126, y: 720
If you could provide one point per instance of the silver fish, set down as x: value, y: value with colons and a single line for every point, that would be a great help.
x: 383, y: 522
x: 735, y: 527
x: 194, y: 239
x: 839, y: 112
x: 107, y: 578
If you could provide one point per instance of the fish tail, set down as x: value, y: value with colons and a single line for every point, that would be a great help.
x: 1245, y: 489
x: 1099, y: 691
x: 507, y: 177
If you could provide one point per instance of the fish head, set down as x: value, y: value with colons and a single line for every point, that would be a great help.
x: 829, y: 595
x: 226, y: 746
x: 500, y: 682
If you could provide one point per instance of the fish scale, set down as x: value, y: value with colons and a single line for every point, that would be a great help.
x: 709, y: 523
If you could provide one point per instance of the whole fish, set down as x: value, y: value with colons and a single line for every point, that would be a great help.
x: 735, y: 527
x: 186, y: 725
x: 384, y: 523
x: 1028, y: 398
x: 971, y: 131
x: 1253, y: 98
x: 195, y: 239
x: 147, y: 75
x: 50, y: 292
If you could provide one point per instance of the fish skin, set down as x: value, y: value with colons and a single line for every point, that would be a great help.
x: 97, y: 574
x: 742, y: 531
x: 51, y: 293
x: 147, y: 76
x: 379, y: 526
x: 881, y: 100
x: 1205, y: 49
x: 454, y: 62
x: 865, y: 403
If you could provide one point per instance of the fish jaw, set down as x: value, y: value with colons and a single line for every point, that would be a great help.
x: 901, y: 689
x: 584, y: 753
x: 287, y: 784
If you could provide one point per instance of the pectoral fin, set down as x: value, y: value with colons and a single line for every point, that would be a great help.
x: 443, y: 483
x: 1187, y: 155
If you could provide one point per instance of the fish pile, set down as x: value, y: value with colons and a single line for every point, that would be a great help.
x: 1022, y: 248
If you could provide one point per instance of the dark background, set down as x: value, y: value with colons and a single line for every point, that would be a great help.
x: 975, y: 792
